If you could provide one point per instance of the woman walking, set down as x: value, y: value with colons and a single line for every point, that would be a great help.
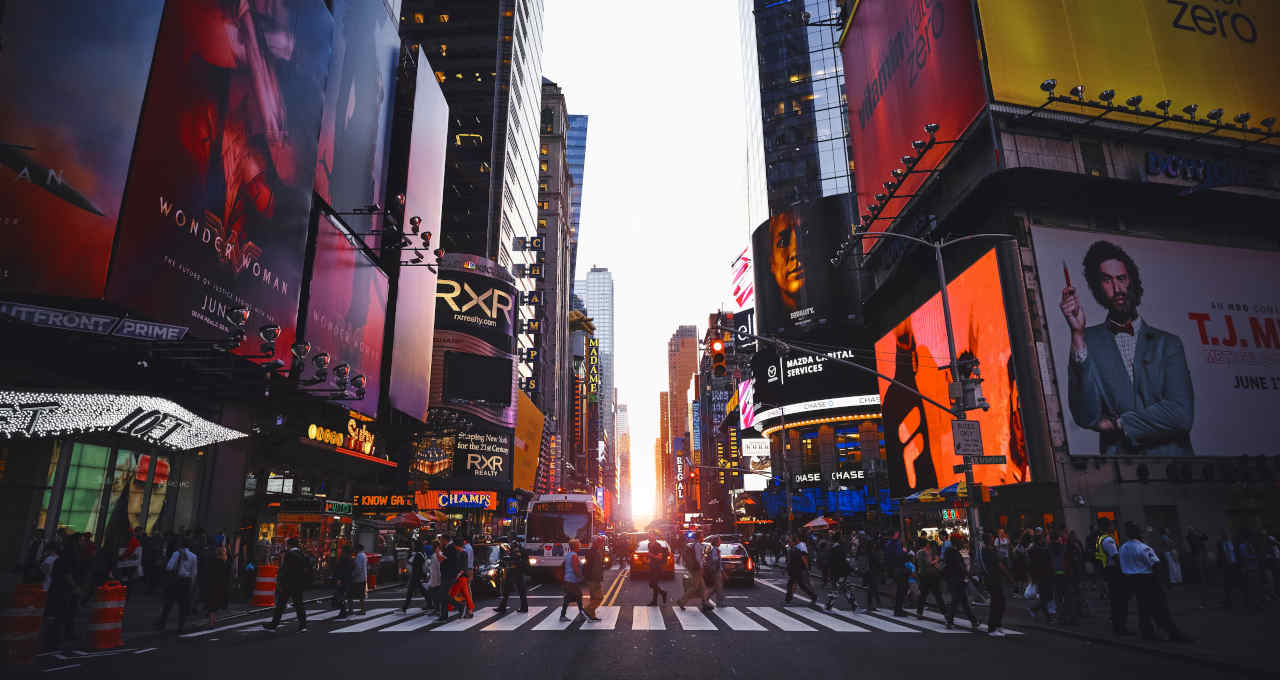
x: 215, y: 582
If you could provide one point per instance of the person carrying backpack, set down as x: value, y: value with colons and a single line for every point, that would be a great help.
x: 417, y: 574
x: 929, y: 571
x: 291, y: 583
x: 695, y: 586
x: 798, y: 570
x: 956, y: 577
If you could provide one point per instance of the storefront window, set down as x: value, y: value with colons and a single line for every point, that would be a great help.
x: 809, y: 451
x: 154, y: 470
x: 86, y: 479
x: 124, y: 506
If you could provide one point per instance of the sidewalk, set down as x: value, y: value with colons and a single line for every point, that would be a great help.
x: 1232, y: 639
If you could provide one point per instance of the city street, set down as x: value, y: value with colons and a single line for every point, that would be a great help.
x: 753, y: 635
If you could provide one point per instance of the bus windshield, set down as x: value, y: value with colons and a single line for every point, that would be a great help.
x: 558, y: 526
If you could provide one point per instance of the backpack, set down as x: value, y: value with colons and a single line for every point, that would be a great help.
x: 690, y: 557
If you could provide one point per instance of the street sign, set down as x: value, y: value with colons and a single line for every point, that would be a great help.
x: 967, y: 436
x: 988, y: 460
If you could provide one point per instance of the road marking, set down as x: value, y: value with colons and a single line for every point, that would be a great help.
x: 481, y: 615
x: 61, y: 668
x: 930, y: 625
x: 647, y: 618
x: 144, y: 651
x: 418, y: 623
x: 514, y: 620
x: 234, y: 626
x: 608, y: 619
x: 692, y: 619
x: 553, y: 622
x: 377, y: 621
x: 838, y: 625
x: 874, y: 622
x: 737, y: 620
x: 943, y: 620
x: 779, y: 619
x: 618, y: 583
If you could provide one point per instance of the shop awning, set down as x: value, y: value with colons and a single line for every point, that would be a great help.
x: 416, y: 519
x: 820, y: 523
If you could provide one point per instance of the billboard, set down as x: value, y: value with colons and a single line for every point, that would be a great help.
x: 1176, y: 49
x: 797, y: 288
x: 1177, y: 349
x: 346, y: 311
x: 908, y: 63
x: 351, y: 167
x: 74, y: 79
x: 742, y: 286
x: 755, y: 457
x: 528, y: 442
x: 800, y: 377
x: 415, y: 299
x: 918, y: 443
x: 216, y: 213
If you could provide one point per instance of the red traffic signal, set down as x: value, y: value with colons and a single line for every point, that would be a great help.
x: 717, y: 345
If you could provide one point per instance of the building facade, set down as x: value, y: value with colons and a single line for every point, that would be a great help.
x: 576, y: 151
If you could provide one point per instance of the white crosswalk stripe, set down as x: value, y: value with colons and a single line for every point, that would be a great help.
x: 514, y: 620
x: 647, y: 618
x: 553, y: 622
x: 481, y: 615
x: 417, y: 623
x: 932, y: 626
x: 831, y: 622
x: 939, y: 618
x: 692, y: 619
x: 377, y: 622
x: 779, y: 619
x: 736, y: 620
x: 608, y: 619
x: 874, y: 622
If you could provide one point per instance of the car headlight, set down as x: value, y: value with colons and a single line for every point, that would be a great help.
x: 533, y: 561
x: 493, y: 572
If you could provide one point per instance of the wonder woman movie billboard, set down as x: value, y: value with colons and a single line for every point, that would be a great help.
x: 216, y: 213
x: 73, y: 77
x: 352, y: 164
x: 918, y: 442
x: 346, y: 311
x: 797, y: 288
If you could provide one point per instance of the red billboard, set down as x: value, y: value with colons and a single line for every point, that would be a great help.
x: 416, y: 299
x: 346, y: 311
x: 351, y: 167
x: 918, y: 440
x: 216, y: 213
x: 907, y: 63
x: 73, y: 82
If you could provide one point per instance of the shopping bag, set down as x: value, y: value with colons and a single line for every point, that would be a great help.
x: 1031, y: 592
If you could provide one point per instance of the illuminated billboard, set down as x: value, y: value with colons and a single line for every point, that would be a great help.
x: 528, y: 441
x: 1181, y: 50
x: 797, y: 288
x: 1176, y: 349
x: 908, y: 63
x: 918, y: 439
x: 73, y: 79
x: 219, y: 196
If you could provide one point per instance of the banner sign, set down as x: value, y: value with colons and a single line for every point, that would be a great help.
x: 153, y: 420
x: 88, y: 322
x: 798, y: 289
x: 459, y: 500
x: 1203, y: 331
x: 857, y: 401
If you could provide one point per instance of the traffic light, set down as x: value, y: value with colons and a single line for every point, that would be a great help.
x: 717, y: 358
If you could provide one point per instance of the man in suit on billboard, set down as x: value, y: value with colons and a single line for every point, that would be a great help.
x: 1126, y: 380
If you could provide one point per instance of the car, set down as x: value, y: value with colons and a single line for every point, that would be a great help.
x: 737, y: 564
x: 640, y: 559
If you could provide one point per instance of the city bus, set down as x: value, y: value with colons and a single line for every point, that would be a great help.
x: 555, y: 518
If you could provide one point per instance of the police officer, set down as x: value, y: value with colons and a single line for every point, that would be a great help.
x: 1108, y: 553
x: 515, y: 562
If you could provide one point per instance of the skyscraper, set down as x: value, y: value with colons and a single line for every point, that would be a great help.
x: 682, y: 363
x: 487, y: 56
x: 597, y: 292
x: 802, y: 100
x: 757, y: 193
x: 576, y: 151
x: 622, y: 451
x: 664, y: 463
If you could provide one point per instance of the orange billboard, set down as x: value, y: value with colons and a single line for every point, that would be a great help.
x: 918, y: 440
x: 528, y: 442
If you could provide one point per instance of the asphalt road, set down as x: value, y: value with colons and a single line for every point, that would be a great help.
x: 753, y: 635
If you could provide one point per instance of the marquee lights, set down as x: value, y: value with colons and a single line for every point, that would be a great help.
x: 822, y: 421
x: 151, y: 419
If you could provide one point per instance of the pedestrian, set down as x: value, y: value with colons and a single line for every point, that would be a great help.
x: 1108, y: 554
x: 996, y: 575
x: 216, y: 583
x: 468, y: 575
x: 824, y: 564
x: 694, y: 584
x: 461, y: 589
x: 358, y: 588
x: 840, y: 574
x: 1250, y: 573
x: 929, y: 573
x: 63, y: 598
x: 1137, y: 561
x: 417, y: 576
x: 1021, y: 575
x: 956, y: 577
x: 874, y: 549
x: 572, y: 581
x: 1057, y: 547
x: 1232, y: 572
x: 451, y: 564
x: 657, y: 566
x: 1073, y: 597
x: 514, y: 567
x: 593, y: 575
x: 798, y: 570
x: 343, y: 570
x: 291, y: 583
x: 1040, y: 570
x: 183, y: 567
x: 895, y: 558
x: 129, y: 568
x: 48, y: 559
x: 713, y: 575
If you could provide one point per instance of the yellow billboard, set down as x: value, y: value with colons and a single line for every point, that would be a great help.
x: 1208, y: 53
x: 529, y: 424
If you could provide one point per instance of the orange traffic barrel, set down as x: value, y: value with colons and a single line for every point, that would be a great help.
x: 374, y: 561
x: 108, y: 616
x: 21, y: 618
x: 264, y: 589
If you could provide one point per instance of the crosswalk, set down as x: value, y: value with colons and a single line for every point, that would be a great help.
x: 759, y: 619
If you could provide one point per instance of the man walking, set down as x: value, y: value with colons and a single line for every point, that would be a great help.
x: 1138, y: 561
x: 450, y: 568
x: 896, y: 558
x: 515, y: 565
x: 572, y: 581
x: 798, y: 570
x: 657, y: 563
x: 182, y: 566
x: 593, y: 574
x: 417, y: 574
x: 838, y: 564
x: 875, y: 566
x: 929, y: 571
x: 695, y: 586
x: 956, y: 577
x: 1108, y: 553
x: 996, y: 567
x: 713, y: 575
x: 359, y: 579
x: 290, y: 584
x: 468, y: 573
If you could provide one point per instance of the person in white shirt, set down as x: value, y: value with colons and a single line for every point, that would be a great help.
x: 360, y: 577
x: 1137, y: 562
x: 46, y: 566
x: 469, y: 572
x: 181, y: 569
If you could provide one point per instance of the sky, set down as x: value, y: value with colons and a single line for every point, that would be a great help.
x: 664, y: 203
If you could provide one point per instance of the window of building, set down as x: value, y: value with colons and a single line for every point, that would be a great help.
x: 444, y: 18
x: 440, y: 76
x: 544, y: 166
x: 544, y: 150
x: 419, y: 18
x: 542, y: 186
x: 444, y: 50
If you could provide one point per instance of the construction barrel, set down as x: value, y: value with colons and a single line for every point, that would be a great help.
x: 22, y: 616
x: 107, y: 618
x: 264, y: 589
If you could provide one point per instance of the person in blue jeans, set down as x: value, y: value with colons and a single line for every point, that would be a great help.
x: 572, y: 580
